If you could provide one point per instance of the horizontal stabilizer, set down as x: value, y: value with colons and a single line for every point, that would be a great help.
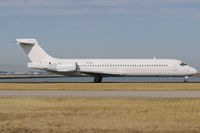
x: 26, y: 41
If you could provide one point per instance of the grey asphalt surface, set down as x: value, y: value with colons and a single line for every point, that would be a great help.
x: 99, y: 94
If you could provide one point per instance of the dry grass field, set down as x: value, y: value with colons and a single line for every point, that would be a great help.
x: 51, y: 115
x: 101, y: 86
x: 25, y: 76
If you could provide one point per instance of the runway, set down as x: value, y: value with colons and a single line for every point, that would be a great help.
x: 98, y: 94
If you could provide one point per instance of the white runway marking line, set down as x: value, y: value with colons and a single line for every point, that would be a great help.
x: 100, y: 94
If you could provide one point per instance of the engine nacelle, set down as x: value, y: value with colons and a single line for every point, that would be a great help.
x: 62, y: 67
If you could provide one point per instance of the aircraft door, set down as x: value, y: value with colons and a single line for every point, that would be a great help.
x: 174, y: 68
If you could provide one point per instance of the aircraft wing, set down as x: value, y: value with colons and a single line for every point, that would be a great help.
x: 98, y: 73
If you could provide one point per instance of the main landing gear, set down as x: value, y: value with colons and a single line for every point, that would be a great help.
x: 186, y: 79
x: 98, y: 79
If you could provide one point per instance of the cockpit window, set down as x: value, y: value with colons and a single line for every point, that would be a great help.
x: 183, y: 64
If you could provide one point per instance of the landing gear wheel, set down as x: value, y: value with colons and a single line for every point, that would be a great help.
x: 97, y: 79
x: 186, y: 79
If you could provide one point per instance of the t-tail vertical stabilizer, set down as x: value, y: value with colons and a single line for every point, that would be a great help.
x: 33, y: 50
x: 35, y: 53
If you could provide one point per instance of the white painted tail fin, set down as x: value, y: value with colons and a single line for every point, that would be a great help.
x: 33, y: 50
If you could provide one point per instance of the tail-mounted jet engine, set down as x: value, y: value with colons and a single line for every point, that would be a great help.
x: 63, y: 67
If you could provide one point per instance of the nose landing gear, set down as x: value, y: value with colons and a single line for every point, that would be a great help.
x: 186, y: 79
x: 98, y: 79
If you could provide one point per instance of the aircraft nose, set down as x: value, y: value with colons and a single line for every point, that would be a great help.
x: 193, y: 71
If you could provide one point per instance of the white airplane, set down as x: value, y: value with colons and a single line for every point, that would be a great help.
x: 99, y: 68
